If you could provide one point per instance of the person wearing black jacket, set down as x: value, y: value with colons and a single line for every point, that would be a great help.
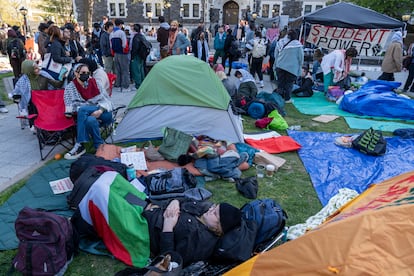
x: 138, y: 58
x: 229, y: 50
x: 305, y: 83
x: 105, y: 44
x: 191, y: 228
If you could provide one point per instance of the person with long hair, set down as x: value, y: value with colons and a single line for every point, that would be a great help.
x: 57, y: 50
x: 88, y: 99
x: 177, y: 42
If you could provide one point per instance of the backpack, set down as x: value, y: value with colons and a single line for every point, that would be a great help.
x: 17, y: 51
x: 169, y: 184
x: 269, y: 217
x: 144, y: 48
x: 259, y: 48
x: 234, y: 49
x: 370, y: 142
x: 47, y: 243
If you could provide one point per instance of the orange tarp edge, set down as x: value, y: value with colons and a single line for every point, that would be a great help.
x: 372, y: 236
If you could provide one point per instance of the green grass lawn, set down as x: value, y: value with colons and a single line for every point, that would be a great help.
x: 290, y: 186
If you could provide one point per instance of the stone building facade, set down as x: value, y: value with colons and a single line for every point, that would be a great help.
x: 190, y: 12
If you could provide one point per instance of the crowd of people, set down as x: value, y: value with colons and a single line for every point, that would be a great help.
x: 113, y: 47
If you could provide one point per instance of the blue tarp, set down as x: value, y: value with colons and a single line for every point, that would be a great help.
x: 377, y: 98
x: 332, y: 167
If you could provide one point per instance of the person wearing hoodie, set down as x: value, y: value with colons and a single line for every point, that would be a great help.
x: 392, y: 62
x: 33, y: 78
x: 288, y: 63
x: 162, y: 36
x: 16, y: 52
x: 247, y: 86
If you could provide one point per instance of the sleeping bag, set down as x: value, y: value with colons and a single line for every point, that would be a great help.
x: 377, y: 98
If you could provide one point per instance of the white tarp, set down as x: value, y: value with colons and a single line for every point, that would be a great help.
x: 368, y: 42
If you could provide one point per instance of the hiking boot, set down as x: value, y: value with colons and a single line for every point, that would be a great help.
x: 76, y: 152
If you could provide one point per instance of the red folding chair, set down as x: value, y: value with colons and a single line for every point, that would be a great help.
x: 52, y: 126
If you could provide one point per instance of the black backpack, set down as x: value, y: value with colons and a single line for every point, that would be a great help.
x: 17, y: 50
x: 370, y: 142
x: 144, y: 47
x: 269, y: 216
x: 47, y: 243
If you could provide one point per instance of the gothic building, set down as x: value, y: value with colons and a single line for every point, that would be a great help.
x: 190, y: 12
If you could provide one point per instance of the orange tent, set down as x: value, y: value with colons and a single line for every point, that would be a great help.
x: 372, y: 235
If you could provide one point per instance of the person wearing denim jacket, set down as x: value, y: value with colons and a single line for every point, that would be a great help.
x: 177, y: 41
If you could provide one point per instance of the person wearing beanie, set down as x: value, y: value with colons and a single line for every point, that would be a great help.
x: 392, y: 62
x: 191, y: 228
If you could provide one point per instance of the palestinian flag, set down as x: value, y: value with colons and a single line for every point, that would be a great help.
x: 113, y: 207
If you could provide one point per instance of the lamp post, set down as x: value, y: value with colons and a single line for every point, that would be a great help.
x: 149, y: 15
x: 181, y: 14
x: 168, y: 6
x: 23, y: 11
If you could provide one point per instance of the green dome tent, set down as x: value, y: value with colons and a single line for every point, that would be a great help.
x: 184, y: 93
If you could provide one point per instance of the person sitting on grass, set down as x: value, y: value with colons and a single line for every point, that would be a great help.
x: 247, y: 87
x: 89, y: 100
x: 303, y: 88
x: 191, y: 228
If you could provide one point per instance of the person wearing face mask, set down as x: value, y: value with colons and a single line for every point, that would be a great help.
x: 89, y: 100
x: 177, y: 42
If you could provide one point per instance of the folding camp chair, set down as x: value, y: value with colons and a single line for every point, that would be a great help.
x: 108, y: 130
x: 52, y: 126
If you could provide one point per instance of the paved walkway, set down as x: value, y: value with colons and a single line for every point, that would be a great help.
x: 20, y: 151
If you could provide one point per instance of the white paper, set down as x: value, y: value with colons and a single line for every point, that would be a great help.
x: 261, y: 136
x: 325, y: 118
x: 136, y: 158
x: 61, y: 186
x: 129, y: 149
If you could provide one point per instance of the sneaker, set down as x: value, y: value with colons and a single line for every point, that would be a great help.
x: 126, y: 90
x: 261, y: 84
x: 3, y: 110
x: 345, y: 141
x: 289, y: 101
x: 76, y: 152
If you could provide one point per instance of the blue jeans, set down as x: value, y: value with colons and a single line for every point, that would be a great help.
x: 88, y: 126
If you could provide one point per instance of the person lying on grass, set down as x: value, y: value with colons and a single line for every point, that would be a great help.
x: 189, y: 227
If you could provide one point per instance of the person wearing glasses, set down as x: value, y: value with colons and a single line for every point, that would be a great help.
x: 88, y: 99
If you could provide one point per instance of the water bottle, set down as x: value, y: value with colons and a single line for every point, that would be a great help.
x: 131, y: 172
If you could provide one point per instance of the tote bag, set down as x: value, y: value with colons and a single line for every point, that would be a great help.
x: 174, y: 144
x: 54, y: 67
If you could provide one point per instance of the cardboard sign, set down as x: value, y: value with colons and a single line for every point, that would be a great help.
x: 368, y: 42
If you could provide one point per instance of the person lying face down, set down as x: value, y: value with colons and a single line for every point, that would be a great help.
x: 190, y: 228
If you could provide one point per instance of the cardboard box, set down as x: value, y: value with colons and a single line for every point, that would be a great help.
x: 265, y: 158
